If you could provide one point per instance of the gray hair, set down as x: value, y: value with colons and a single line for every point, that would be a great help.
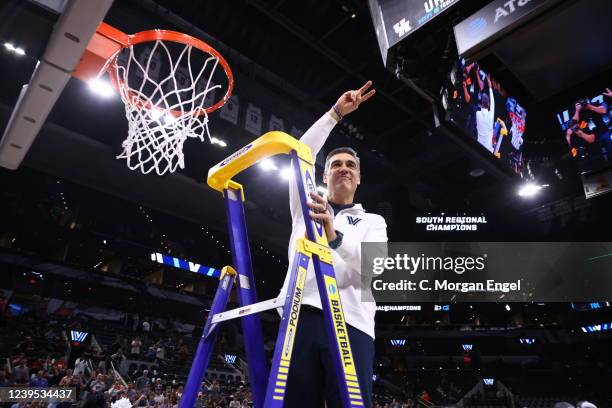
x: 337, y: 150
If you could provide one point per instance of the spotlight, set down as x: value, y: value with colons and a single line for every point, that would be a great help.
x: 216, y: 141
x: 477, y: 172
x: 102, y: 88
x: 530, y: 189
x: 268, y: 164
x: 286, y: 173
x: 168, y: 119
x: 12, y: 48
x: 156, y: 113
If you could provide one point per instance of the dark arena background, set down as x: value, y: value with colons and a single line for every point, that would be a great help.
x: 490, y: 123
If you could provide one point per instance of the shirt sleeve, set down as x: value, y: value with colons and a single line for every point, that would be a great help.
x: 315, y: 137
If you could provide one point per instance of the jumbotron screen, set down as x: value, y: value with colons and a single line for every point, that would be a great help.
x: 587, y: 129
x: 478, y: 104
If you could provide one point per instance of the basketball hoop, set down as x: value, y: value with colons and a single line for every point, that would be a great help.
x: 168, y: 87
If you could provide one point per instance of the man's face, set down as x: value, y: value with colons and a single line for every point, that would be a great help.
x: 343, y: 175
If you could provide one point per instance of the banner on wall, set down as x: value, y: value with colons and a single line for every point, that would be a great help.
x: 230, y: 110
x: 276, y: 123
x: 254, y: 119
x: 297, y: 133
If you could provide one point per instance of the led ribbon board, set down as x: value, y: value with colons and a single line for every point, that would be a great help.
x: 590, y: 306
x: 492, y: 21
x: 77, y: 336
x: 597, y: 328
x: 187, y: 265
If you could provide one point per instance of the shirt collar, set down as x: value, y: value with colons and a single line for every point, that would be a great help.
x: 336, y: 208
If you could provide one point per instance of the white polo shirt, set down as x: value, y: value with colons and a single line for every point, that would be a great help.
x: 484, y: 123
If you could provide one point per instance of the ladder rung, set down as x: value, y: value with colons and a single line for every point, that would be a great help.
x: 248, y: 310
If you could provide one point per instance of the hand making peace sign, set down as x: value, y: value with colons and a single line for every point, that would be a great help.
x: 350, y: 100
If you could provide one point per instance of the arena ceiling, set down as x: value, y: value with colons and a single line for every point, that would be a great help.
x: 294, y: 57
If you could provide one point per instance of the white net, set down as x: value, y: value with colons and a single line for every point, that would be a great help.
x: 165, y: 92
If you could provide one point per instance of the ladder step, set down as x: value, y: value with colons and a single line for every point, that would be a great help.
x: 248, y: 310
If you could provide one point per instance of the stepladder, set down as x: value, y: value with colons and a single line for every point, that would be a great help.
x: 269, y: 381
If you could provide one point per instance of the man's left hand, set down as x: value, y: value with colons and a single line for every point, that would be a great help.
x: 319, y: 213
x: 350, y: 100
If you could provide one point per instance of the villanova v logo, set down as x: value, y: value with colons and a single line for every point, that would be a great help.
x: 353, y: 221
x: 77, y: 335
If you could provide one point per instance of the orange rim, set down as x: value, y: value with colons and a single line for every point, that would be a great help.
x: 181, y: 38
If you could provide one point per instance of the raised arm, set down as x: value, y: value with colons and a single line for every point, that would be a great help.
x: 576, y: 116
x: 479, y: 79
x: 601, y: 109
x: 316, y: 136
x: 466, y: 94
x: 568, y: 137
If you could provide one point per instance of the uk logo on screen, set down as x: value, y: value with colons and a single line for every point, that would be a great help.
x: 402, y: 27
x: 477, y: 25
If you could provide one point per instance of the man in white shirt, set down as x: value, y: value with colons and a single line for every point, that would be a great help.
x: 485, y: 118
x: 312, y: 380
x: 122, y: 401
